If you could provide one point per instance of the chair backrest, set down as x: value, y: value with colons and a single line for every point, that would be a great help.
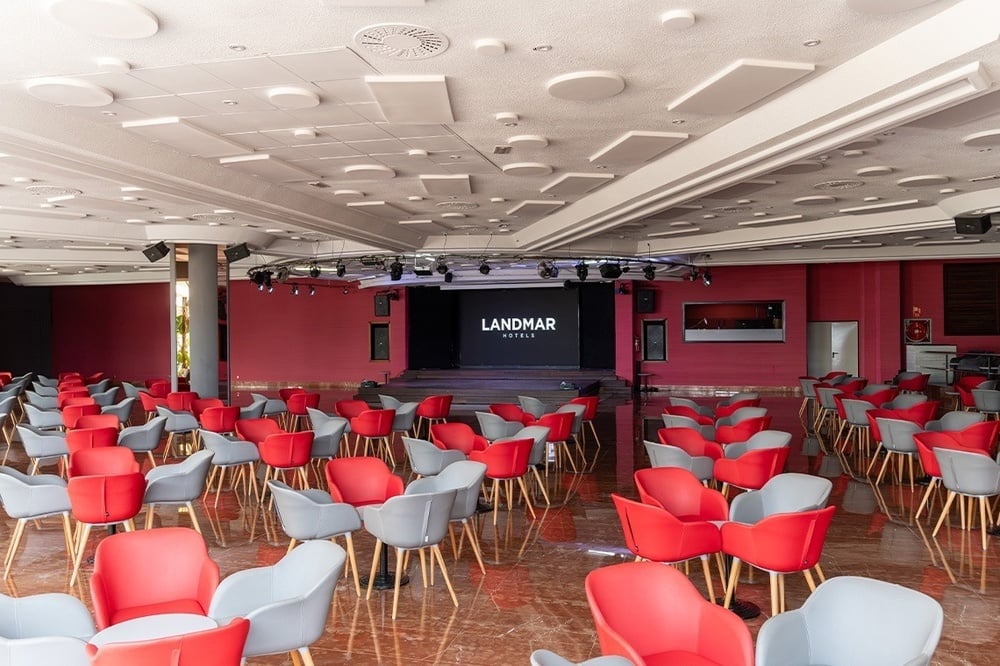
x: 465, y: 477
x: 783, y: 493
x: 373, y: 423
x: 886, y: 623
x: 897, y: 434
x: 102, y: 460
x: 222, y: 646
x: 414, y: 521
x: 540, y: 434
x: 145, y: 437
x: 456, y: 435
x: 495, y: 427
x: 255, y: 430
x: 389, y: 402
x: 955, y: 420
x: 90, y: 438
x: 427, y: 459
x: 362, y: 480
x: 590, y: 402
x: 44, y: 615
x: 968, y: 472
x: 768, y: 439
x: 348, y: 409
x: 298, y: 402
x: 435, y: 407
x: 681, y: 493
x: 664, y: 455
x: 219, y: 419
x: 531, y: 405
x: 981, y: 436
x: 286, y: 449
x: 101, y: 499
x: 560, y: 425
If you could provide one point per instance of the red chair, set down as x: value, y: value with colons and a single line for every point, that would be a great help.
x: 199, y: 405
x: 652, y: 614
x: 158, y: 388
x: 508, y: 411
x: 433, y: 409
x: 457, y: 436
x: 62, y: 376
x: 853, y: 385
x: 361, y: 481
x: 213, y: 647
x: 684, y: 410
x: 751, y: 470
x: 102, y: 461
x: 653, y: 533
x: 690, y: 441
x: 297, y: 404
x: 182, y: 401
x: 681, y: 493
x: 560, y: 425
x: 102, y: 500
x: 722, y: 411
x: 916, y: 384
x: 71, y: 413
x: 980, y: 437
x: 286, y: 451
x: 591, y: 402
x: 348, y: 409
x: 507, y: 461
x: 94, y: 378
x: 742, y: 431
x: 89, y: 438
x: 255, y: 430
x: 149, y: 404
x: 98, y: 421
x: 220, y: 419
x: 779, y: 544
x: 374, y: 426
x: 878, y: 398
x: 964, y: 388
x: 289, y: 391
x: 150, y: 572
x: 926, y: 442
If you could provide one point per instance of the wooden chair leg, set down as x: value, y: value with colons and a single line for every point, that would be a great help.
x: 775, y: 605
x: 734, y: 577
x: 399, y: 574
x: 474, y: 540
x: 371, y: 576
x: 708, y: 578
x: 353, y: 562
x: 436, y: 551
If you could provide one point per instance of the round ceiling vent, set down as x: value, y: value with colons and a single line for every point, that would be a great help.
x: 838, y: 184
x: 457, y: 205
x: 52, y: 191
x: 401, y: 41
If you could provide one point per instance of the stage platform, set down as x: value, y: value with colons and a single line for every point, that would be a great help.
x: 478, y: 387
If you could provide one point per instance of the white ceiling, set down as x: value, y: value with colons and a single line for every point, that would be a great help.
x: 513, y: 131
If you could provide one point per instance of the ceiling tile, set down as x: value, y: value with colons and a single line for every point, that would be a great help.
x: 166, y: 105
x: 180, y: 79
x: 576, y: 183
x: 215, y: 101
x: 415, y: 131
x: 412, y: 99
x: 531, y: 208
x: 371, y: 112
x: 436, y: 185
x: 379, y: 147
x: 247, y: 122
x: 347, y: 91
x: 331, y: 65
x: 739, y: 85
x: 251, y: 72
x: 354, y: 132
x: 438, y: 144
x: 326, y: 114
x: 266, y: 166
x: 314, y: 151
x: 124, y: 85
x: 255, y: 140
x: 184, y: 136
x: 378, y: 208
x: 637, y: 147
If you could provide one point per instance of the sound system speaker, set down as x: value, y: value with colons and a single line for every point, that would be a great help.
x: 645, y: 300
x: 968, y: 225
x: 237, y: 252
x: 655, y: 344
x: 381, y: 305
x: 156, y: 252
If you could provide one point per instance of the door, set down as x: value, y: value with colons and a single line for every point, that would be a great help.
x: 832, y: 345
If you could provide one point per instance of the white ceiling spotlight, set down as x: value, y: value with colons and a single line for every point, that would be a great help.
x: 69, y: 92
x: 585, y: 86
x: 490, y: 47
x: 112, y: 65
x: 528, y: 141
x: 508, y: 118
x: 304, y: 134
x: 292, y: 97
x: 677, y: 19
x: 116, y: 19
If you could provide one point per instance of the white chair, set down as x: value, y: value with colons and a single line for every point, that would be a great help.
x: 427, y: 459
x: 664, y: 455
x: 177, y: 485
x: 44, y: 630
x: 30, y: 498
x: 784, y: 493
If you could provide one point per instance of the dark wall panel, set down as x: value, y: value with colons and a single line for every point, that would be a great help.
x: 597, y: 325
x: 26, y: 336
x: 432, y: 316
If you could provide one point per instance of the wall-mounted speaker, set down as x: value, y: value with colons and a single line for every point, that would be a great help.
x: 645, y: 300
x: 156, y: 252
x: 968, y: 225
x: 381, y: 305
x: 237, y: 252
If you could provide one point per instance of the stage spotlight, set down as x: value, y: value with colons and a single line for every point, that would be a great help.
x: 484, y: 268
x: 449, y: 276
x: 295, y: 290
x: 314, y: 271
x: 346, y: 291
x: 547, y: 269
x: 693, y: 274
x: 312, y: 290
x: 649, y: 271
x: 582, y: 271
x: 341, y: 269
x: 260, y: 287
x: 282, y: 274
x: 706, y: 277
x: 441, y: 267
x: 622, y: 290
x: 156, y: 251
x: 610, y: 271
x: 257, y: 277
x: 396, y: 270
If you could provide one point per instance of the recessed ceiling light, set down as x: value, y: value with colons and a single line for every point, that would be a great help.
x: 602, y: 167
x: 744, y: 202
x: 542, y: 48
x: 109, y: 114
x: 274, y: 231
x: 812, y: 42
x: 414, y: 198
x: 947, y: 190
x: 237, y: 47
x: 46, y: 205
x: 914, y: 238
x: 709, y: 216
x: 677, y: 121
x: 230, y: 102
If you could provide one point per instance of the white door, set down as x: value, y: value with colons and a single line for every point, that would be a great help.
x: 832, y: 345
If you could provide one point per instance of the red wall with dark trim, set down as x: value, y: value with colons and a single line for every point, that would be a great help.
x: 285, y: 339
x: 122, y: 330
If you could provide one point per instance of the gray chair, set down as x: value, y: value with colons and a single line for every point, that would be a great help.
x: 177, y: 485
x: 854, y: 621
x: 493, y: 427
x: 130, y: 390
x: 272, y: 406
x: 311, y: 514
x: 427, y: 459
x: 28, y: 498
x: 287, y: 603
x: 952, y: 421
x: 254, y: 410
x: 549, y: 658
x: 389, y: 402
x: 123, y: 410
x: 105, y: 398
x: 539, y: 453
x: 905, y: 401
x: 7, y: 406
x: 765, y: 439
x: 739, y: 396
x: 664, y: 455
x: 871, y: 389
x: 328, y: 432
x: 143, y: 439
x: 178, y: 423
x: 45, y: 391
x: 43, y: 447
x: 44, y: 629
x: 987, y: 401
x: 231, y: 455
x: 47, y: 381
x: 676, y: 421
x: 577, y: 412
x: 406, y: 414
x: 41, y: 401
x: 410, y: 522
x: 897, y: 441
x: 99, y: 387
x: 972, y: 475
x: 532, y: 406
x: 690, y: 404
x: 741, y: 414
x: 465, y: 477
x: 785, y: 493
x: 43, y: 419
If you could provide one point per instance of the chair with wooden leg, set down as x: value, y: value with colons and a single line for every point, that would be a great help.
x: 374, y: 428
x: 238, y: 457
x: 179, y: 424
x: 506, y: 462
x: 286, y: 452
x: 411, y: 522
x: 101, y: 501
x: 590, y: 403
x: 969, y: 476
x: 43, y: 447
x: 144, y: 438
x: 432, y: 409
x: 177, y: 485
x: 32, y: 498
x: 897, y: 441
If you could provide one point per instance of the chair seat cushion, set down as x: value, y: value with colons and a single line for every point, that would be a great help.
x: 175, y: 606
x: 677, y: 658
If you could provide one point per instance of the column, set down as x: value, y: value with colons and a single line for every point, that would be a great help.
x: 203, y: 288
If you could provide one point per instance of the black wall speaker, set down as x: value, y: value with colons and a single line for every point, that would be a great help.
x: 156, y: 252
x: 972, y: 224
x: 381, y: 305
x: 645, y: 300
x: 237, y: 252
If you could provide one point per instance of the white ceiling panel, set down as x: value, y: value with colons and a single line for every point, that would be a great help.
x: 180, y: 79
x: 570, y: 184
x: 227, y: 101
x: 326, y: 114
x: 379, y: 147
x: 184, y: 136
x: 166, y: 105
x: 347, y: 91
x: 266, y: 166
x: 446, y: 185
x: 124, y: 85
x: 327, y: 65
x: 416, y: 131
x: 637, y: 147
x: 251, y: 72
x: 314, y: 151
x: 378, y: 209
x: 743, y: 189
x: 353, y: 132
x: 739, y: 85
x: 438, y: 144
x: 532, y: 208
x: 412, y: 99
x: 262, y: 121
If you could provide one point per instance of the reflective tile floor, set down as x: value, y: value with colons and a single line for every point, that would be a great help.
x: 532, y: 593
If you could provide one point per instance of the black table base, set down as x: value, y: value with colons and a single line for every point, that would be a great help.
x: 385, y: 579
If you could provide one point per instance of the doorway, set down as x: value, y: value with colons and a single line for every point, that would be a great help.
x: 831, y: 345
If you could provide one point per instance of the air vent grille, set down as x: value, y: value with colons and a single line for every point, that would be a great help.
x: 401, y: 41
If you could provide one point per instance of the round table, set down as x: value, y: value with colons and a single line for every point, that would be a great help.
x: 150, y: 627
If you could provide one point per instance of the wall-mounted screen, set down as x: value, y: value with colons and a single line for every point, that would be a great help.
x: 735, y: 321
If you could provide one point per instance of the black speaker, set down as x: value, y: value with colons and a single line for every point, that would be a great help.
x: 381, y: 305
x: 972, y: 224
x: 380, y: 342
x: 237, y: 252
x: 645, y: 300
x: 156, y: 252
x: 655, y: 345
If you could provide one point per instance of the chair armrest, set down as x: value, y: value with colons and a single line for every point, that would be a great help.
x: 103, y: 608
x: 784, y: 639
x: 240, y: 593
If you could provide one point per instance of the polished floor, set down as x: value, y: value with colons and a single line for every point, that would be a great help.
x: 532, y: 593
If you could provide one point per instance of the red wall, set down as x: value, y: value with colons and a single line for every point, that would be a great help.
x: 283, y: 339
x: 727, y: 364
x: 122, y: 330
